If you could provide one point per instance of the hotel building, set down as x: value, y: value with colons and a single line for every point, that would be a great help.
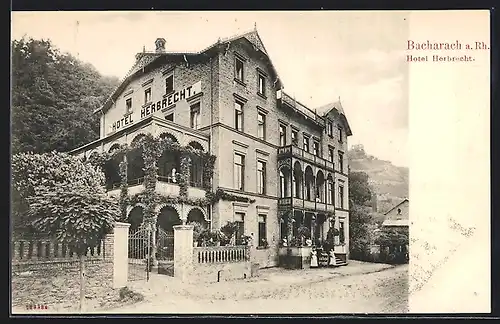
x: 228, y: 100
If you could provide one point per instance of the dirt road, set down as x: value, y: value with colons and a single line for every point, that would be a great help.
x: 384, y: 291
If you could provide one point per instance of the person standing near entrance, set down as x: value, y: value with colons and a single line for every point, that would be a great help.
x: 314, y: 259
x: 333, y: 261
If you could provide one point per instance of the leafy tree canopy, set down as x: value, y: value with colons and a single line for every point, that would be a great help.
x: 34, y: 174
x: 360, y: 192
x: 53, y: 98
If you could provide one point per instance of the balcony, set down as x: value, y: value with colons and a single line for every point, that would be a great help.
x: 164, y: 186
x: 302, y: 110
x: 294, y: 151
x: 299, y: 203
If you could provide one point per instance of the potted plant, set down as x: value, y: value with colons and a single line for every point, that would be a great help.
x: 197, y: 230
x: 229, y: 230
x: 246, y: 239
x: 218, y: 236
x: 263, y: 243
x: 304, y: 233
x: 205, y: 237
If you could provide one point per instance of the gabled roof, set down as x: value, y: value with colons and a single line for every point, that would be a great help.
x: 336, y: 105
x: 404, y: 200
x: 144, y: 59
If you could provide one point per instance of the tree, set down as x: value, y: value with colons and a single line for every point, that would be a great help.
x: 53, y: 97
x: 360, y: 192
x: 361, y: 222
x: 30, y: 172
x: 65, y: 199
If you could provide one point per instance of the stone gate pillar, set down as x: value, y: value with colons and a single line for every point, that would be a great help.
x: 120, y: 255
x: 183, y: 251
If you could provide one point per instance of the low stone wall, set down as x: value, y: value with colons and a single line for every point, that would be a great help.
x: 266, y: 257
x: 217, y: 272
x: 47, y: 273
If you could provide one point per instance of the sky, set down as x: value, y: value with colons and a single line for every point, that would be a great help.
x: 320, y: 56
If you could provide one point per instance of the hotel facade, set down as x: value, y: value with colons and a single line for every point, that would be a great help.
x: 284, y: 161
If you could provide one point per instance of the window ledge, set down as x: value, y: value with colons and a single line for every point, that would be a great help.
x: 263, y: 96
x: 240, y: 82
x: 127, y: 114
x: 262, y: 247
x: 168, y: 94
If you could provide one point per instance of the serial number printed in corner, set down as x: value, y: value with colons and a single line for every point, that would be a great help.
x: 37, y: 307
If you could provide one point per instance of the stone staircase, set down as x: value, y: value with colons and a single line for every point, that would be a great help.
x: 340, y: 262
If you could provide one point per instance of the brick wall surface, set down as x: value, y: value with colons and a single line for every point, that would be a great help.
x: 58, y: 284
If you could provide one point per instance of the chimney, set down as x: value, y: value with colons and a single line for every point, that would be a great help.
x: 160, y: 45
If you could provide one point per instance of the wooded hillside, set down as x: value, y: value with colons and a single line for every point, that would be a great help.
x: 53, y: 97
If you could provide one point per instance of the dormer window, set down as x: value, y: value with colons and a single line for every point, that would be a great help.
x: 262, y: 85
x: 330, y: 129
x: 238, y: 69
x: 128, y: 105
x: 169, y: 84
x: 147, y: 96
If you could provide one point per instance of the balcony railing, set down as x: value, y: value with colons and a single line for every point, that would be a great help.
x: 294, y: 202
x: 292, y: 150
x: 220, y: 254
x: 165, y: 185
x: 291, y: 102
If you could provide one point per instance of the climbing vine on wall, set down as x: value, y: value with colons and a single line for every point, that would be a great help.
x: 123, y: 190
x: 184, y: 175
x: 152, y: 150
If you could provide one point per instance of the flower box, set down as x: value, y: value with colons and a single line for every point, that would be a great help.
x: 295, y: 257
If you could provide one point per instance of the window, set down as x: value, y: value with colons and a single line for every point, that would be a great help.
x: 341, y: 233
x: 261, y: 177
x: 282, y: 135
x: 341, y: 196
x: 330, y: 154
x: 316, y: 148
x: 330, y: 129
x: 238, y: 64
x: 262, y: 84
x: 262, y: 231
x: 238, y: 116
x: 239, y: 171
x: 283, y: 185
x: 331, y: 193
x: 169, y: 84
x: 261, y: 125
x: 340, y: 134
x: 239, y: 218
x: 341, y: 161
x: 195, y: 116
x: 128, y: 105
x: 295, y: 139
x: 306, y: 143
x: 170, y: 117
x: 147, y: 96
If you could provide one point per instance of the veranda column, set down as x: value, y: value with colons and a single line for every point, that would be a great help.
x: 154, y: 247
x: 289, y: 226
x: 313, y: 228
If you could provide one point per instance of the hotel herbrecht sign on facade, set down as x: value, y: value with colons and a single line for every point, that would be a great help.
x: 150, y: 109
